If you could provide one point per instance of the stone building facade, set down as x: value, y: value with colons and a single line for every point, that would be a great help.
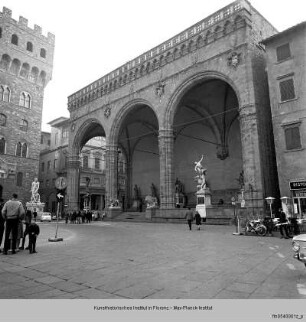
x: 26, y: 59
x: 202, y: 92
x: 286, y: 66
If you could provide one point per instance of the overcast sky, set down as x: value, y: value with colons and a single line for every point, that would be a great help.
x: 94, y: 37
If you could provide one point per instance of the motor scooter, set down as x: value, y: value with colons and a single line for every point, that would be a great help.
x: 255, y: 226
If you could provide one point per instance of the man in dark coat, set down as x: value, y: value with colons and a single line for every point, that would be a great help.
x: 189, y: 217
x: 198, y: 218
x: 283, y: 225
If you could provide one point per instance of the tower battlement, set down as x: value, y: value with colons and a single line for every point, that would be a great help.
x: 22, y: 23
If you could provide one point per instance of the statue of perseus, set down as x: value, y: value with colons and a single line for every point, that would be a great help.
x: 201, y: 172
x: 35, y: 197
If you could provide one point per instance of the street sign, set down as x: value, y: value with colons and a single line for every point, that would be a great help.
x: 59, y: 197
x: 61, y: 183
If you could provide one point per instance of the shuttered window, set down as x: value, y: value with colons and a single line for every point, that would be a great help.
x: 283, y: 52
x: 287, y: 89
x: 292, y: 137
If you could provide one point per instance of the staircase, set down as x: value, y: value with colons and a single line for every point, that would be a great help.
x: 131, y: 217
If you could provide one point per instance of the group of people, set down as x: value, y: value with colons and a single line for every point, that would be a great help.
x: 191, y: 217
x: 12, y: 219
x: 81, y: 217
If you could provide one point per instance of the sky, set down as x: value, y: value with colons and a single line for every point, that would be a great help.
x: 94, y: 37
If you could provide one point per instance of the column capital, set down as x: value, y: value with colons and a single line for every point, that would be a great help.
x: 247, y: 110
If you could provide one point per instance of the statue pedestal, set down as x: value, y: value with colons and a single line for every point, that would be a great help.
x: 113, y: 212
x: 136, y: 205
x: 203, y: 200
x: 35, y: 206
x: 150, y: 212
x: 180, y: 200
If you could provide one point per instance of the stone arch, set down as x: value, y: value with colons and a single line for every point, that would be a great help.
x: 15, y: 66
x: 5, y: 62
x: 227, y: 28
x: 79, y: 139
x: 200, y: 41
x: 217, y: 32
x: 239, y: 22
x: 188, y: 84
x: 123, y: 111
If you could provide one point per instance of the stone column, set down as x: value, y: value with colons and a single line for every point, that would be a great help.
x: 251, y: 156
x: 166, y: 140
x: 111, y: 187
x: 73, y: 177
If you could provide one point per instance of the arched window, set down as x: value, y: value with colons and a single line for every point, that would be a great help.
x: 42, y: 78
x: 2, y: 119
x: 25, y: 100
x: 25, y: 69
x: 24, y: 150
x: 2, y: 145
x: 29, y: 46
x: 19, y: 179
x: 5, y: 62
x: 14, y: 40
x: 43, y: 52
x: 5, y: 93
x: 21, y: 149
x: 23, y: 125
x: 34, y: 74
x: 18, y: 149
x: 15, y: 66
x: 0, y: 32
x: 85, y: 161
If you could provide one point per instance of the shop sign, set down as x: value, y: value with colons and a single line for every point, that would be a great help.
x: 299, y: 194
x: 297, y: 185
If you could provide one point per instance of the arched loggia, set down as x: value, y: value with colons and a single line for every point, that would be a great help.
x: 135, y: 133
x: 86, y: 167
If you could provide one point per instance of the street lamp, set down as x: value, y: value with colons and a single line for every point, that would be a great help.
x: 270, y: 201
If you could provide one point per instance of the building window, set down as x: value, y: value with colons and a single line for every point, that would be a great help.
x: 65, y: 133
x: 287, y: 90
x: 85, y: 161
x: 21, y: 149
x: 2, y: 145
x: 2, y: 119
x: 292, y: 137
x: 23, y: 125
x: 97, y: 163
x: 41, y: 139
x: 43, y: 167
x: 14, y: 40
x: 283, y: 52
x: 5, y: 93
x: 49, y: 165
x: 19, y: 179
x: 55, y: 164
x: 0, y: 32
x: 47, y: 183
x: 43, y: 52
x: 25, y: 100
x: 29, y: 46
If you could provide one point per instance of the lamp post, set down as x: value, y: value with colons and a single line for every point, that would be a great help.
x: 270, y: 201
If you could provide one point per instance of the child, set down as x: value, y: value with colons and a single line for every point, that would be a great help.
x: 33, y: 231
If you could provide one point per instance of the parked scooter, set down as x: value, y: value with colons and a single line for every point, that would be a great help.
x: 255, y: 226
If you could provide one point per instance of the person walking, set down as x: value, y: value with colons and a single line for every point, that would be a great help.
x: 198, y: 219
x: 189, y: 217
x: 1, y: 222
x: 11, y: 212
x: 283, y: 225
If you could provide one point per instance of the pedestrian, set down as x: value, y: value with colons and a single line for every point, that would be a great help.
x: 268, y: 222
x: 35, y: 215
x: 283, y: 224
x: 1, y: 222
x: 27, y: 221
x: 198, y: 219
x: 11, y: 212
x: 189, y: 217
x: 33, y: 233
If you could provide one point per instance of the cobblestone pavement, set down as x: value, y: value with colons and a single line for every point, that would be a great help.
x: 120, y: 260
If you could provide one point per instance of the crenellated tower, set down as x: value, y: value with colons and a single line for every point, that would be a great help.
x: 26, y: 64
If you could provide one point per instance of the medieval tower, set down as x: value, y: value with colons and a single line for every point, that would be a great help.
x: 26, y: 62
